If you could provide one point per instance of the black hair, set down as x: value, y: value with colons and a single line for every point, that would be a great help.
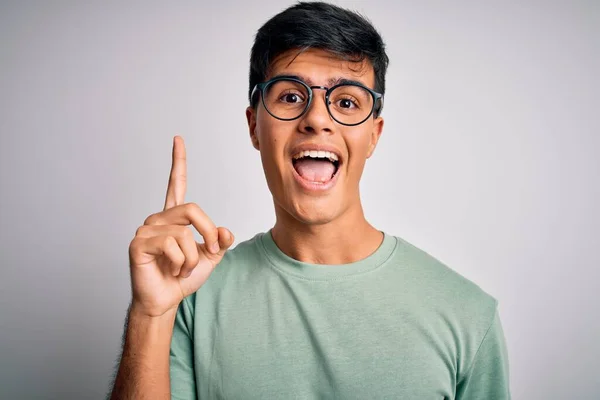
x: 318, y: 25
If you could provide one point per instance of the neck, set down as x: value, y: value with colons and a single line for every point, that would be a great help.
x: 348, y: 238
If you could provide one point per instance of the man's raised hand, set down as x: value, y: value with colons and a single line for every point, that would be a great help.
x: 167, y: 264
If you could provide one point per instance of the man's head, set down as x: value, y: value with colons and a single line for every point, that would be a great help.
x: 318, y: 46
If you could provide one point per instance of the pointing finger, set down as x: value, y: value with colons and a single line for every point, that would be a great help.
x: 178, y: 177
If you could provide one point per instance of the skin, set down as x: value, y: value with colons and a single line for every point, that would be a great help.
x: 320, y: 228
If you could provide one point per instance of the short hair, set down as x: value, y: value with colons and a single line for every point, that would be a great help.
x: 344, y: 33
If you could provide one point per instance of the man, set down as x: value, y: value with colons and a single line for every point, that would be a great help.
x: 323, y: 305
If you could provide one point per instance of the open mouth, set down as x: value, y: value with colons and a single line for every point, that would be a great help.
x: 318, y: 167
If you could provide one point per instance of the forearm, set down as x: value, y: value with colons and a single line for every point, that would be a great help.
x: 144, y: 368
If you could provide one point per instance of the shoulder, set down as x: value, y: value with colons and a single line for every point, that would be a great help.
x: 443, y: 287
x: 460, y: 309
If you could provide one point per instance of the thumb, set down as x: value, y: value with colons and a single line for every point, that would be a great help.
x: 226, y: 239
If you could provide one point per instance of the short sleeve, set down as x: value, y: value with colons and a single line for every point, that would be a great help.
x: 181, y: 360
x: 488, y: 375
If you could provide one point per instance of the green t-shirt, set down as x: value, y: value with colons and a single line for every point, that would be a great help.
x: 398, y: 324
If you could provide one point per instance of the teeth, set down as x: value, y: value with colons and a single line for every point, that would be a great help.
x: 316, y: 154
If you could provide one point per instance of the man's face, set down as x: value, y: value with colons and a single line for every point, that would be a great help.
x: 303, y: 188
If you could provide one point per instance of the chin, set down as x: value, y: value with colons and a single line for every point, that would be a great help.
x: 318, y: 211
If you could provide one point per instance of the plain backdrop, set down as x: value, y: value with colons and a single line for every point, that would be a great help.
x: 488, y: 161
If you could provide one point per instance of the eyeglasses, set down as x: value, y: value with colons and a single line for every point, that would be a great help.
x: 348, y: 103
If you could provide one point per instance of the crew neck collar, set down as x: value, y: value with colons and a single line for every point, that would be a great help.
x: 325, y: 272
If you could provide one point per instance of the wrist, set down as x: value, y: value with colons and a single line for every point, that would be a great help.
x: 140, y: 312
x: 151, y: 327
x: 149, y: 334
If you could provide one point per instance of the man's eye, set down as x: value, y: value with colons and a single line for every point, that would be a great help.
x: 291, y: 98
x: 347, y: 103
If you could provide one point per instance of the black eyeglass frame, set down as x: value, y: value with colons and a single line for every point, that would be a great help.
x: 377, y: 97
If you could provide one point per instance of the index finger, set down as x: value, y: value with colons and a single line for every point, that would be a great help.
x: 178, y: 177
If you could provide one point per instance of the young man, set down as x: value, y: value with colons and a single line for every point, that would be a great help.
x: 323, y: 305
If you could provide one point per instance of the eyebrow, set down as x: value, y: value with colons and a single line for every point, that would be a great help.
x: 331, y: 82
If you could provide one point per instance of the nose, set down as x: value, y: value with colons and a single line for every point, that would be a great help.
x: 317, y: 119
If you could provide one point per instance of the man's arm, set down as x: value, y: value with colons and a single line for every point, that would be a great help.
x: 488, y: 376
x: 166, y: 265
x: 144, y: 368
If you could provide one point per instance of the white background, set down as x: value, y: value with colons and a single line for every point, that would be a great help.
x: 488, y: 161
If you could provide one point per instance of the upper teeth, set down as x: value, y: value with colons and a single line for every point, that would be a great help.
x: 317, y: 154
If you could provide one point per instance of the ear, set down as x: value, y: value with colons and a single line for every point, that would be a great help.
x: 251, y: 117
x: 375, y: 134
